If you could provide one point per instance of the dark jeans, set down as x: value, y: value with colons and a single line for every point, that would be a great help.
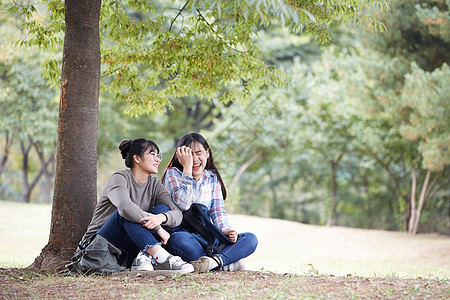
x: 129, y: 236
x: 183, y: 244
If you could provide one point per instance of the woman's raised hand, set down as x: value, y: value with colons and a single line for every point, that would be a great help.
x: 231, y: 234
x: 184, y: 155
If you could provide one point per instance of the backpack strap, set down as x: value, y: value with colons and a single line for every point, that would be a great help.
x: 198, y: 218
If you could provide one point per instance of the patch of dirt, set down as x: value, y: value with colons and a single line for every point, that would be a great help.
x: 19, y: 283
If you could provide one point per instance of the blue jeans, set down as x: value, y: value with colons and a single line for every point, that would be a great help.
x: 129, y: 236
x: 183, y: 244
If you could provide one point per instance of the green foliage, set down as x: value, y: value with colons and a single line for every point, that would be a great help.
x: 28, y: 107
x: 28, y: 112
x: 408, y: 88
x: 151, y: 53
x: 426, y: 108
x: 403, y: 75
x: 298, y: 133
x: 375, y: 111
x: 417, y: 31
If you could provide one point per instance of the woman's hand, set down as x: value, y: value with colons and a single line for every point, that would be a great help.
x: 164, y: 235
x: 231, y: 234
x: 151, y: 220
x: 184, y: 155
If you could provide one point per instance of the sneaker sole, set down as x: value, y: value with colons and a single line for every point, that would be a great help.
x: 140, y: 269
x: 182, y: 271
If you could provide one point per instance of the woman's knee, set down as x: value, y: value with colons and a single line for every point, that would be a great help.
x: 183, y: 244
x: 182, y: 240
x: 250, y: 239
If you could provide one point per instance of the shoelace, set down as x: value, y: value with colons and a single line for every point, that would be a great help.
x: 144, y: 259
x: 176, y: 261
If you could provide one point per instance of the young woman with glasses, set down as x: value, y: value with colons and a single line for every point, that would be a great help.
x: 132, y: 208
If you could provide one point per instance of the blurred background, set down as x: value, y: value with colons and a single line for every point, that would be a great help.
x: 360, y: 136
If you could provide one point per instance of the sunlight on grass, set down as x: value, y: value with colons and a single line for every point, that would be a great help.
x: 290, y: 247
x: 24, y: 230
x: 284, y: 247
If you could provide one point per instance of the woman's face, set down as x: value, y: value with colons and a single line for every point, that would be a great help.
x: 200, y: 158
x: 150, y: 160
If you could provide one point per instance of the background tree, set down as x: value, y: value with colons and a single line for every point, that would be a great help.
x: 415, y: 44
x: 27, y: 111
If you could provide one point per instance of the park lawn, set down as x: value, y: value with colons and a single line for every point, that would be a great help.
x: 292, y: 260
x: 24, y: 231
x: 284, y: 246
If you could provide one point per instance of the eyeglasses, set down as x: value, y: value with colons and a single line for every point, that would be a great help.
x: 156, y: 155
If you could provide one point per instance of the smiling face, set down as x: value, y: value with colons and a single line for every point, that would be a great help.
x: 200, y: 157
x: 149, y: 162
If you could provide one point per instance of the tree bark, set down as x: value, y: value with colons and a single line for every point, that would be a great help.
x: 75, y: 190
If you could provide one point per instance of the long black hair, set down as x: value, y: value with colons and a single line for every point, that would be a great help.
x: 129, y: 148
x: 187, y: 140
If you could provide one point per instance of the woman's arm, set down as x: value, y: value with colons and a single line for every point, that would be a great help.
x: 118, y: 192
x: 174, y: 216
x: 182, y: 188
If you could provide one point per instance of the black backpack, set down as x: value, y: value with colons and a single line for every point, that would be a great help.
x: 197, y: 221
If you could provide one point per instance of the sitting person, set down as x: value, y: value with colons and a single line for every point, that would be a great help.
x: 132, y: 208
x: 192, y: 177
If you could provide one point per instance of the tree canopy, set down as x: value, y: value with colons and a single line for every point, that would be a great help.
x: 152, y: 52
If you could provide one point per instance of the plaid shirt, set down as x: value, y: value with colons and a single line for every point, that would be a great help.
x: 185, y: 190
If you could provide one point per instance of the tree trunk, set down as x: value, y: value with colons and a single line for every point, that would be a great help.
x: 236, y: 178
x: 407, y: 214
x: 8, y: 143
x: 366, y: 188
x: 48, y: 182
x: 26, y: 188
x: 425, y: 192
x: 332, y: 217
x: 75, y: 191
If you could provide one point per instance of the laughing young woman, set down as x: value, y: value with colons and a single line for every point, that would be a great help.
x: 192, y: 177
x: 132, y: 208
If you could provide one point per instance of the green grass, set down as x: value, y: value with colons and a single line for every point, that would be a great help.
x: 24, y: 230
x: 310, y: 262
x: 284, y: 247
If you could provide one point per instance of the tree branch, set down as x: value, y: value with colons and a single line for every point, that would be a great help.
x: 179, y: 14
x: 388, y: 170
x: 218, y: 36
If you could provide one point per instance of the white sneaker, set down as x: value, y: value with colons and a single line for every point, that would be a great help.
x: 175, y: 264
x: 234, y: 267
x: 142, y: 263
